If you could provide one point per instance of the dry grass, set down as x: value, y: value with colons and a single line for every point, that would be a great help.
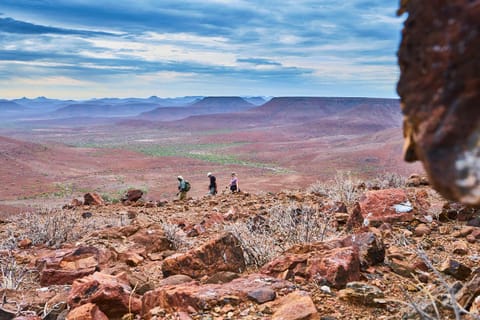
x: 12, y: 273
x: 343, y: 188
x: 54, y: 227
x: 264, y: 238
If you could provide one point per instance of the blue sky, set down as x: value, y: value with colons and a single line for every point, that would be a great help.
x: 116, y: 48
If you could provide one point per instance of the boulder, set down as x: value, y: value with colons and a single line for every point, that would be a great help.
x: 355, y: 219
x: 297, y: 305
x: 194, y: 296
x: 112, y: 294
x: 64, y: 266
x: 93, y: 199
x: 456, y: 269
x: 88, y: 311
x: 388, y: 205
x: 439, y: 60
x: 221, y: 254
x: 132, y: 195
x: 362, y: 293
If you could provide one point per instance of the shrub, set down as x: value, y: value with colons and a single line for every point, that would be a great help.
x: 343, y: 188
x: 12, y: 273
x: 52, y: 227
x: 387, y: 180
x: 263, y: 238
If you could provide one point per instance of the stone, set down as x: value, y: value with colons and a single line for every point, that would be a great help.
x: 422, y: 230
x: 334, y: 263
x: 194, y: 297
x: 355, y: 220
x: 456, y: 269
x: 93, y: 199
x: 362, y: 293
x: 297, y: 305
x: 25, y: 243
x: 262, y: 295
x: 474, y: 222
x: 469, y: 291
x: 76, y: 203
x: 221, y: 254
x: 222, y: 277
x: 132, y: 195
x: 439, y: 60
x: 175, y: 280
x: 88, y: 311
x: 378, y: 206
x: 153, y: 239
x: 460, y: 248
x: 112, y: 294
x: 64, y: 266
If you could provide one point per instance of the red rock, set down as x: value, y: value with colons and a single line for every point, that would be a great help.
x: 422, y: 230
x: 378, y: 206
x: 76, y: 203
x: 112, y: 294
x: 92, y: 198
x: 196, y: 297
x: 460, y: 248
x: 64, y: 266
x: 262, y: 295
x: 88, y: 311
x: 132, y: 195
x: 456, y: 269
x: 439, y: 59
x: 152, y: 238
x: 297, y: 305
x: 27, y: 318
x: 355, y: 220
x: 25, y: 243
x: 370, y: 248
x: 221, y: 254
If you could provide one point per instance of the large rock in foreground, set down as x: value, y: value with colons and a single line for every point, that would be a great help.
x: 64, y: 266
x: 112, y: 294
x: 193, y: 296
x: 388, y: 205
x: 221, y: 254
x: 334, y: 263
x: 439, y: 59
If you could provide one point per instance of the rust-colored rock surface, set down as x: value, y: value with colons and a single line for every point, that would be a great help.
x: 64, y: 266
x: 92, y: 198
x: 221, y: 254
x: 194, y: 296
x: 112, y: 294
x: 88, y: 311
x: 334, y: 263
x: 439, y: 87
x: 388, y: 205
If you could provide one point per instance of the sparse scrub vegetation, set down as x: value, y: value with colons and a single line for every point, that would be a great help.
x: 343, y: 188
x: 12, y: 273
x: 174, y: 234
x: 53, y: 227
x: 387, y: 180
x: 263, y: 238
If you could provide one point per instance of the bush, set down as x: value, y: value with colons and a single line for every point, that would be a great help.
x: 343, y: 188
x: 264, y: 238
x: 12, y: 273
x: 52, y: 227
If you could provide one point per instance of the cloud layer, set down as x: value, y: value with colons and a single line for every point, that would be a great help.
x: 84, y: 48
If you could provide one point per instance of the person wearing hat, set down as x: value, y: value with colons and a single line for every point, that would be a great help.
x: 212, y: 187
x: 182, y: 188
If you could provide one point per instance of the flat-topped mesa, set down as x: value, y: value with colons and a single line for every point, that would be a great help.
x: 439, y: 86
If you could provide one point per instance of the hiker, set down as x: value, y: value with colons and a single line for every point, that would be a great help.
x: 183, y: 188
x: 234, y: 187
x: 212, y: 187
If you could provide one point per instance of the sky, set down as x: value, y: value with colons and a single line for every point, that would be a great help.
x: 79, y: 49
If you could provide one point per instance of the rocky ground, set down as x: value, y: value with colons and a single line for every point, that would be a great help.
x: 367, y: 251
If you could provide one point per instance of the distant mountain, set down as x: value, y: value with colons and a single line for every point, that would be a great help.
x: 258, y: 101
x: 316, y: 115
x: 11, y: 107
x: 99, y: 109
x: 167, y: 102
x: 42, y: 104
x: 208, y: 105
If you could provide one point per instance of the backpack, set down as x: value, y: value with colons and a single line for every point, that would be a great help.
x: 187, y: 186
